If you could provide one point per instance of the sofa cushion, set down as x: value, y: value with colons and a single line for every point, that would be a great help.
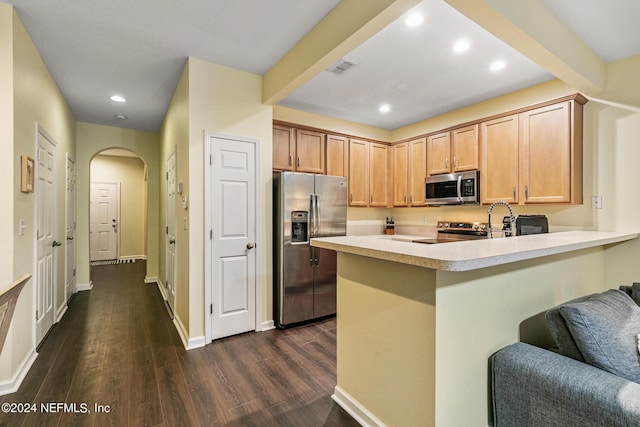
x: 560, y: 332
x: 604, y: 328
x: 633, y: 291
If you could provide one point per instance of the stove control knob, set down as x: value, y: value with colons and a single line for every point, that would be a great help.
x: 483, y: 227
x: 476, y: 226
x: 445, y: 225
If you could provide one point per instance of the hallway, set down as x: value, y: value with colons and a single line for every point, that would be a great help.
x: 117, y: 347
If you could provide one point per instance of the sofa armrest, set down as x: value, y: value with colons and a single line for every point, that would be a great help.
x: 536, y: 387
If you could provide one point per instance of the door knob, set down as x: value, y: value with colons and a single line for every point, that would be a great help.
x: 55, y: 244
x: 172, y: 241
x: 250, y: 246
x: 69, y: 238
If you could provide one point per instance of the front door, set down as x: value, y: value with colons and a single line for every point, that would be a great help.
x: 170, y: 280
x: 103, y: 216
x: 233, y: 196
x: 70, y: 226
x: 45, y: 235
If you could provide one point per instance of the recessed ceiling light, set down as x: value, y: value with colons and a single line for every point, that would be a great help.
x: 384, y: 108
x: 413, y: 20
x: 117, y: 98
x: 497, y: 65
x: 461, y: 45
x: 121, y: 116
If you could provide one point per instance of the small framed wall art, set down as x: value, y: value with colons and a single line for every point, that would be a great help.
x: 26, y: 181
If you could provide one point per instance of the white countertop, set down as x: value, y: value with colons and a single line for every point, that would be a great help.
x: 470, y: 254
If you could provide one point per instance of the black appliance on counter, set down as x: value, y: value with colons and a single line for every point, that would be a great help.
x: 531, y: 224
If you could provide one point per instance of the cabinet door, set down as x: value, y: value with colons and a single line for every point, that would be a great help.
x: 309, y: 151
x: 439, y: 153
x: 400, y: 174
x: 499, y: 160
x: 283, y: 147
x: 417, y: 171
x: 337, y: 158
x: 380, y: 176
x: 358, y: 173
x: 545, y: 154
x: 465, y: 148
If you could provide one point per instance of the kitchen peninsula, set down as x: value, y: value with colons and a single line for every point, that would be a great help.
x: 417, y: 322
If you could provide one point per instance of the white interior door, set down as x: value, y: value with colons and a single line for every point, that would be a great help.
x: 70, y: 226
x: 45, y: 235
x: 233, y: 251
x: 170, y: 280
x: 103, y: 227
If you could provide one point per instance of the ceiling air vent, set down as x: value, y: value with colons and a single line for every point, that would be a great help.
x: 341, y: 66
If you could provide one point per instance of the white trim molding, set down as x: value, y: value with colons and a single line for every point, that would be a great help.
x: 12, y: 385
x: 189, y: 343
x: 61, y: 311
x: 354, y: 408
x: 148, y: 279
x: 84, y: 286
x: 265, y: 326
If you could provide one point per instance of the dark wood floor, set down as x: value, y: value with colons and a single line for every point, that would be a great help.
x: 116, y: 346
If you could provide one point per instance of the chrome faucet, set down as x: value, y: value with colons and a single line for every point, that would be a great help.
x: 512, y: 219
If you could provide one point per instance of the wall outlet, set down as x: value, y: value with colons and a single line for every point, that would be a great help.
x: 596, y: 202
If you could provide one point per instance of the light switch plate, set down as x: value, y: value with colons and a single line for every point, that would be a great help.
x: 596, y: 202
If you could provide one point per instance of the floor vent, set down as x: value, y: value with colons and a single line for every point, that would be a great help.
x: 112, y: 262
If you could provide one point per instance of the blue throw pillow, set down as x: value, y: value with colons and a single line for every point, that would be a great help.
x: 604, y: 328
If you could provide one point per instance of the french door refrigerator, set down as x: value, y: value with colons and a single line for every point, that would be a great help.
x: 305, y: 206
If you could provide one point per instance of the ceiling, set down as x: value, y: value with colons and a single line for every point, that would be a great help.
x: 138, y: 50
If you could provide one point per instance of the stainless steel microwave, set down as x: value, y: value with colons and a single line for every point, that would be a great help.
x: 462, y: 188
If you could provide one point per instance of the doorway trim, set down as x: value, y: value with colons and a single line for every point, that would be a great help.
x: 208, y: 226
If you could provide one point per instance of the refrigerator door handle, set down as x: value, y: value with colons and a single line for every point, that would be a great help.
x: 312, y: 217
x: 316, y: 221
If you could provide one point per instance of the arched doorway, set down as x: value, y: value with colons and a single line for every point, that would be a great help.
x: 117, y: 207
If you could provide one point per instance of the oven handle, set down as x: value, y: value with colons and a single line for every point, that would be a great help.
x: 459, y: 188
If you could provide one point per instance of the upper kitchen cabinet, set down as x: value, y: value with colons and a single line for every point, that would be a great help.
x: 337, y: 159
x: 453, y: 151
x: 298, y: 150
x: 310, y: 148
x: 370, y: 174
x: 417, y: 171
x: 533, y: 156
x: 400, y: 174
x: 284, y: 147
x: 499, y: 160
x: 551, y: 154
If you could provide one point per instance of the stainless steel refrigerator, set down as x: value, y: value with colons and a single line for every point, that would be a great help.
x: 305, y: 206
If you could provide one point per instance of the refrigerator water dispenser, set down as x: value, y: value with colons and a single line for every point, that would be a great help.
x: 299, y: 226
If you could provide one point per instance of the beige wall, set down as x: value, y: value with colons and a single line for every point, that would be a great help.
x: 130, y: 173
x: 36, y: 100
x: 91, y: 140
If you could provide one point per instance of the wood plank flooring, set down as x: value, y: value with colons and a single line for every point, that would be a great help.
x: 117, y: 347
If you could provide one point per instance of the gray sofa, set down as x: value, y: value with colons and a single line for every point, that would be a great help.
x: 592, y: 378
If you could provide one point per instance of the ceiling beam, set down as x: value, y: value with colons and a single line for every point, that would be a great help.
x: 531, y: 28
x: 344, y: 28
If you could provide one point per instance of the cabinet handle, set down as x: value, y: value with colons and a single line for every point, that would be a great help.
x: 446, y: 163
x: 350, y: 197
x: 405, y: 198
x: 514, y: 192
x: 411, y: 199
x: 370, y: 198
x: 526, y: 192
x: 298, y: 161
x: 455, y: 162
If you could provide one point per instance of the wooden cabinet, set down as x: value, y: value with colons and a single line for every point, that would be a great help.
x: 298, y: 149
x: 534, y: 156
x: 309, y: 151
x: 499, y: 160
x: 417, y: 171
x: 453, y: 151
x: 370, y: 176
x: 337, y: 158
x: 439, y: 153
x: 284, y: 147
x: 400, y: 174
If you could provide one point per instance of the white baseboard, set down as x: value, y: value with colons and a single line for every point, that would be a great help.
x: 12, y: 385
x: 61, y: 311
x: 161, y: 288
x: 132, y: 257
x: 189, y: 343
x: 148, y: 279
x: 354, y: 408
x: 265, y: 326
x: 84, y: 287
